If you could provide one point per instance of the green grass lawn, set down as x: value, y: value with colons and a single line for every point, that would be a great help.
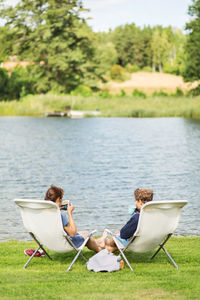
x: 127, y: 106
x: 156, y: 279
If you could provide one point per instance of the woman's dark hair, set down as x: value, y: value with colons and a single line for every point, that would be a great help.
x: 53, y: 193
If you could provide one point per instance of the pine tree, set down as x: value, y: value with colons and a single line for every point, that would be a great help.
x: 192, y: 70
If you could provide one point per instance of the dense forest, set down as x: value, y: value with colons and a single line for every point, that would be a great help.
x: 62, y: 52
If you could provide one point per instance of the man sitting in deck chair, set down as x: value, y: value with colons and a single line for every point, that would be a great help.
x: 142, y: 196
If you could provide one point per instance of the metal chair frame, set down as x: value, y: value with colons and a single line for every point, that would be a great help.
x: 78, y: 250
x: 161, y: 246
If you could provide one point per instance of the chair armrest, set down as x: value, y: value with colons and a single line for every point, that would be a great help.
x: 109, y: 232
x: 87, y: 238
x: 91, y: 233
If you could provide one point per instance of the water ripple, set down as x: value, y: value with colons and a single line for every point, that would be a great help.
x: 99, y: 162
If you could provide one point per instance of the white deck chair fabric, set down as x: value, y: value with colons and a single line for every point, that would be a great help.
x: 42, y: 219
x: 157, y: 222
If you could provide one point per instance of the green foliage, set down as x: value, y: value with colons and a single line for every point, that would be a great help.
x: 147, y: 69
x: 194, y: 92
x: 132, y: 45
x: 3, y: 83
x: 82, y: 90
x: 53, y: 36
x: 160, y: 45
x: 171, y: 106
x: 137, y: 93
x: 104, y: 94
x: 176, y: 61
x: 122, y: 93
x: 192, y: 48
x: 160, y: 94
x: 179, y: 93
x: 7, y: 36
x: 135, y: 68
x: 105, y: 56
x: 118, y: 73
x: 20, y: 83
x: 171, y: 68
x: 17, y: 84
x: 66, y: 53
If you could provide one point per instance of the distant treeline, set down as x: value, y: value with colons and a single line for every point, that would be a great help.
x: 65, y: 53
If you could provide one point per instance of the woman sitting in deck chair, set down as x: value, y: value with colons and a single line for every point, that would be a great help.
x: 142, y: 196
x: 55, y: 194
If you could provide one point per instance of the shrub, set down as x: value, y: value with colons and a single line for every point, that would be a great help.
x: 122, y: 93
x: 82, y: 90
x: 20, y: 83
x: 128, y: 68
x: 135, y: 68
x: 118, y: 73
x: 147, y: 69
x: 171, y: 69
x: 194, y: 92
x: 104, y: 94
x: 132, y: 68
x: 137, y: 93
x: 179, y: 93
x: 160, y: 94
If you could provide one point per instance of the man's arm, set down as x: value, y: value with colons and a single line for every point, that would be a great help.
x: 129, y: 229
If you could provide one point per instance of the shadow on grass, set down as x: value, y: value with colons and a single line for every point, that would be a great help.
x: 64, y: 258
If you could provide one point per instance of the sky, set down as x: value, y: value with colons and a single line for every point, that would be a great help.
x: 108, y: 14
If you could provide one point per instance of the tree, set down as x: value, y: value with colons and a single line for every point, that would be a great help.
x: 176, y: 61
x: 3, y: 83
x: 53, y: 35
x: 160, y: 49
x: 129, y: 44
x: 192, y: 69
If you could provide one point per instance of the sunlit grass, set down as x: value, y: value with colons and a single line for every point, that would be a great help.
x: 128, y: 106
x: 151, y: 279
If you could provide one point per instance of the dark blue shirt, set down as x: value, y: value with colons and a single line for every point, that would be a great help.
x: 130, y: 227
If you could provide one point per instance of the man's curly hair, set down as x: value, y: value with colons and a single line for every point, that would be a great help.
x: 144, y: 195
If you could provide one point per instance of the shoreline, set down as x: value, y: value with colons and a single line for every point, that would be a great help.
x: 178, y: 236
x: 126, y: 106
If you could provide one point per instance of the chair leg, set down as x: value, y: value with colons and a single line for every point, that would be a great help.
x: 31, y: 257
x: 83, y: 257
x: 162, y: 247
x: 79, y: 253
x: 46, y: 252
x: 126, y: 260
x: 40, y: 245
x: 75, y: 258
x: 175, y: 265
x: 120, y: 250
x: 156, y: 252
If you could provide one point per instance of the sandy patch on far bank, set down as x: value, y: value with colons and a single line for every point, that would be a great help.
x: 149, y: 83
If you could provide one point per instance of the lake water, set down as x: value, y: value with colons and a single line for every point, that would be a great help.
x: 99, y: 162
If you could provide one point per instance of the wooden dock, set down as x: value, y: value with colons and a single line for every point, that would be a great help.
x: 73, y: 114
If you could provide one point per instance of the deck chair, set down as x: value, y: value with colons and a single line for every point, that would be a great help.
x: 157, y: 222
x: 43, y: 221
